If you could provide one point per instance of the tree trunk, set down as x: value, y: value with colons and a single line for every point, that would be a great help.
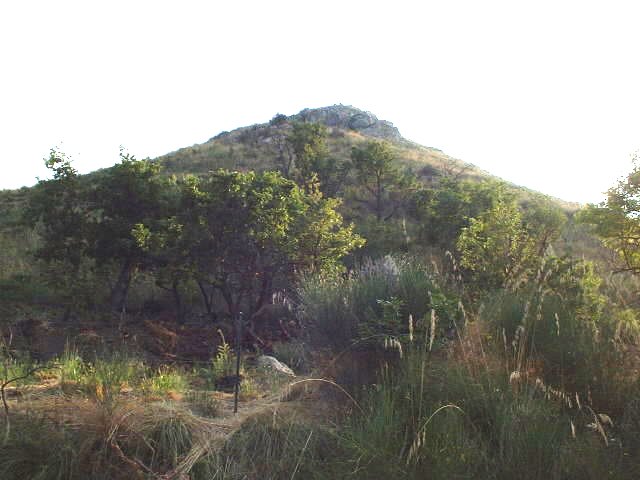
x: 207, y: 300
x: 265, y: 292
x: 120, y: 290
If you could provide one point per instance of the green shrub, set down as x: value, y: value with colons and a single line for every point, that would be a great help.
x: 16, y: 367
x: 374, y: 301
x: 223, y: 364
x: 432, y: 419
x: 72, y: 367
x: 164, y: 380
x: 566, y: 332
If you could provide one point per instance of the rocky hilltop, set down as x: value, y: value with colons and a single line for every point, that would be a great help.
x: 343, y: 117
x: 263, y: 146
x: 350, y: 118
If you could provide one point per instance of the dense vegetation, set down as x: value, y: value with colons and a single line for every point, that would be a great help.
x: 457, y: 327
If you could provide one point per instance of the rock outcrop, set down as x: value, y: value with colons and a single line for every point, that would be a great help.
x: 342, y: 117
x: 350, y: 118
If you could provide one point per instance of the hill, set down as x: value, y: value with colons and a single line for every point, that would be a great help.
x: 264, y: 147
x: 441, y: 322
x: 260, y: 146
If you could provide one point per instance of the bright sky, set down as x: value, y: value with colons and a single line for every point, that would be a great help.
x: 545, y: 94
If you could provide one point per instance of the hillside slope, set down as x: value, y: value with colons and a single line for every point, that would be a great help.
x: 264, y: 147
x: 261, y: 146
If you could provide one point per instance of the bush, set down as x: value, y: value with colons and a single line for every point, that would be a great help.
x: 432, y: 419
x: 373, y: 302
x: 565, y: 331
x: 164, y: 380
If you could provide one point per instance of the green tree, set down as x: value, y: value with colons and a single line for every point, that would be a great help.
x: 58, y: 208
x: 308, y: 143
x: 93, y: 220
x: 617, y: 220
x: 497, y: 248
x: 543, y: 221
x: 442, y: 211
x: 379, y: 179
x: 246, y: 231
x: 167, y: 255
x: 131, y: 193
x: 322, y: 239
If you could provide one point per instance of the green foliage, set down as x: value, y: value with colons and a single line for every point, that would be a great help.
x: 18, y: 293
x: 567, y: 331
x: 170, y: 438
x: 128, y: 194
x: 88, y: 223
x: 57, y: 209
x: 504, y: 246
x: 444, y: 210
x: 322, y: 240
x: 223, y: 364
x: 500, y: 406
x: 16, y: 247
x: 496, y: 247
x: 382, y: 185
x: 543, y: 221
x: 131, y: 193
x: 383, y: 238
x: 58, y: 205
x: 243, y: 231
x: 617, y: 220
x: 164, y: 380
x: 278, y: 119
x: 427, y: 418
x: 35, y: 450
x: 104, y: 378
x: 12, y: 366
x: 373, y: 302
x: 72, y: 367
x: 308, y: 142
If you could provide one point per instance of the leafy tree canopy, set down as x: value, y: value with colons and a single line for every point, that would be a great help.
x: 444, y: 210
x: 617, y: 220
x: 504, y: 245
x: 93, y: 219
x: 379, y: 178
x: 238, y: 233
x: 313, y: 161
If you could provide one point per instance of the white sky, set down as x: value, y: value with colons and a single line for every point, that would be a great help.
x: 545, y: 94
